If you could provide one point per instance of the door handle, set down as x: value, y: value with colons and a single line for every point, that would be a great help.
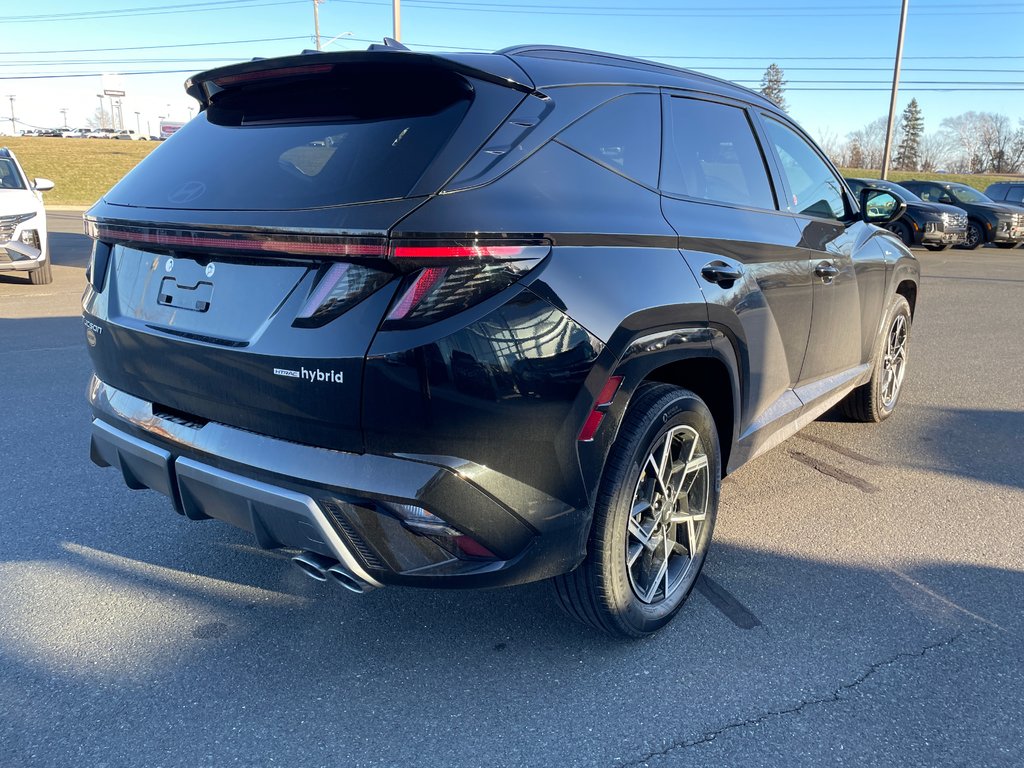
x: 721, y: 273
x: 826, y: 271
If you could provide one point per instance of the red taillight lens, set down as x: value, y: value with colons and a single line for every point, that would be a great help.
x: 273, y: 74
x: 447, y: 277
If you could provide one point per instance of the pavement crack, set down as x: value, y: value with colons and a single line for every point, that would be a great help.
x: 829, y: 698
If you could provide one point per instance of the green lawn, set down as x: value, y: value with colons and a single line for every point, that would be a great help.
x: 82, y: 169
x: 977, y: 180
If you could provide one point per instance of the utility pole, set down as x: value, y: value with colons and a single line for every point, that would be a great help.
x: 64, y: 111
x: 14, y: 127
x: 396, y: 15
x: 316, y: 22
x: 895, y: 89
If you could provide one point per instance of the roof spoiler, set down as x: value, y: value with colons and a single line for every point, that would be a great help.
x: 492, y: 68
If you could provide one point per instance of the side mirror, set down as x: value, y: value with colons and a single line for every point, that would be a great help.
x: 42, y: 185
x: 879, y: 206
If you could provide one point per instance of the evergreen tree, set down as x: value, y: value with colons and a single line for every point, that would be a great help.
x: 773, y: 85
x: 908, y: 153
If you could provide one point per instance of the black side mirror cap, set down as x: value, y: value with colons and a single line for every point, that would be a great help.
x: 880, y: 206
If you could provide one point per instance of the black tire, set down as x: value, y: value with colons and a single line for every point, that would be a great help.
x: 975, y: 236
x: 871, y: 402
x: 936, y: 246
x: 902, y: 231
x: 43, y: 275
x: 605, y: 590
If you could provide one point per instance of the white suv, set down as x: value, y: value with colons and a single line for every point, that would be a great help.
x: 23, y: 241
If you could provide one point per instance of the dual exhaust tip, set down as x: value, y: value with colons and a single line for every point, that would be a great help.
x: 322, y: 568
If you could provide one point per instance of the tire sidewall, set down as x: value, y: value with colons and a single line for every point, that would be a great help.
x: 639, y: 618
x: 899, y: 306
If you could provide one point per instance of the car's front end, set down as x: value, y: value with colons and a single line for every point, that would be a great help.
x: 22, y: 220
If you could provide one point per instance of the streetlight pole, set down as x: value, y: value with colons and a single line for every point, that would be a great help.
x: 64, y: 111
x: 14, y: 127
x: 316, y: 22
x: 895, y: 88
x: 396, y: 17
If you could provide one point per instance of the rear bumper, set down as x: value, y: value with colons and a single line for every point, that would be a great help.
x: 339, y: 504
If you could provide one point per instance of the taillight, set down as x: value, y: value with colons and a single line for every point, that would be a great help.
x: 447, y: 277
x: 338, y: 288
x: 210, y: 241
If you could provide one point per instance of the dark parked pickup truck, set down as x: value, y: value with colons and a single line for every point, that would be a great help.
x: 936, y: 226
x: 987, y: 220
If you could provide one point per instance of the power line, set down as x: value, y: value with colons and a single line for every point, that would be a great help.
x: 221, y: 5
x: 155, y: 47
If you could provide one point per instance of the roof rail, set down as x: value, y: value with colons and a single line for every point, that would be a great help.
x: 601, y: 57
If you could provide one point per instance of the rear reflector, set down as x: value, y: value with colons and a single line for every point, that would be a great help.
x: 590, y: 426
x: 604, y: 400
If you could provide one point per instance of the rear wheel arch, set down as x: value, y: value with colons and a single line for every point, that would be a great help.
x: 710, y: 379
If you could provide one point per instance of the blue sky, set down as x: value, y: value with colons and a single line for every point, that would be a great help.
x: 822, y: 47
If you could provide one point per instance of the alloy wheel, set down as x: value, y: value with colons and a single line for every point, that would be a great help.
x: 894, y: 361
x: 664, y: 541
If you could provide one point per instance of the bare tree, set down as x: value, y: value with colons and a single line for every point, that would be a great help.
x: 936, y: 150
x: 996, y: 137
x: 100, y: 119
x: 871, y: 141
x: 966, y: 130
x: 832, y: 146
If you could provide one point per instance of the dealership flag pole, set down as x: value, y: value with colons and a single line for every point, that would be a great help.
x: 895, y: 88
x: 396, y: 16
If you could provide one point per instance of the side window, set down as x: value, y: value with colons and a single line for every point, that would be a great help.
x: 814, y: 188
x: 712, y: 154
x: 1015, y: 194
x: 624, y: 135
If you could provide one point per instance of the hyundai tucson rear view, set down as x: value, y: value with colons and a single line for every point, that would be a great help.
x: 475, y: 320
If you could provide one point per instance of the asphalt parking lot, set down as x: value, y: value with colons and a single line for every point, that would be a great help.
x: 863, y: 605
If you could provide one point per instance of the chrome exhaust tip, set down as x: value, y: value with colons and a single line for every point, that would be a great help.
x: 348, y: 580
x: 313, y: 565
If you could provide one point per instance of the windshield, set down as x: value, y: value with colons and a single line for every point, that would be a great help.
x: 9, y: 176
x: 966, y: 194
x: 903, y: 192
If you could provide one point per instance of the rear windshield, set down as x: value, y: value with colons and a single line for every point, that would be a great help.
x: 351, y: 136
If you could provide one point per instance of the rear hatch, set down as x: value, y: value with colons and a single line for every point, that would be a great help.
x: 241, y: 270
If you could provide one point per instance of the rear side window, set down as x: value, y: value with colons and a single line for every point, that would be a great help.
x: 1015, y: 194
x: 355, y: 135
x: 712, y: 154
x: 814, y: 188
x: 623, y: 135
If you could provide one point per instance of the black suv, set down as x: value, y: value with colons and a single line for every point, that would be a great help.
x: 471, y: 320
x: 987, y: 220
x: 1007, y: 193
x: 933, y: 225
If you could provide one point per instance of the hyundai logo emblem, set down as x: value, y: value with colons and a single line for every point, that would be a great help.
x: 188, y: 192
